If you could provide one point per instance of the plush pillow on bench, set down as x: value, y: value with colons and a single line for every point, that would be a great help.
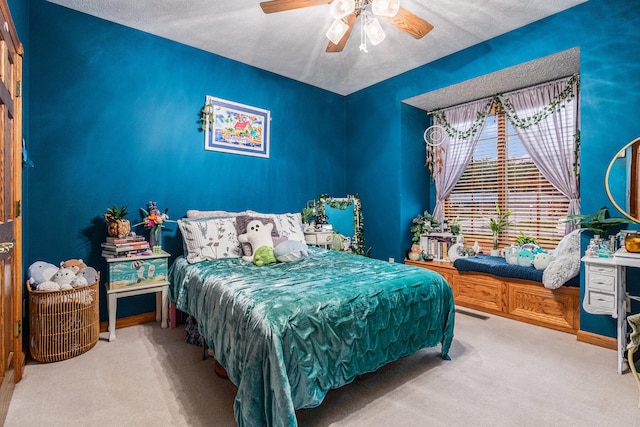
x: 565, y: 264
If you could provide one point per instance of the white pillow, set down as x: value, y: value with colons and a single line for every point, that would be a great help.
x: 210, y: 238
x: 194, y: 213
x: 565, y: 263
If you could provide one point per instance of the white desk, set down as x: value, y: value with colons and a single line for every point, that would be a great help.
x: 605, y: 291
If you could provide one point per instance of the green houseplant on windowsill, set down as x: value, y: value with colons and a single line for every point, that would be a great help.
x: 497, y: 225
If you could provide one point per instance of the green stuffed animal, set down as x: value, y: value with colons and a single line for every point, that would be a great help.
x: 263, y: 256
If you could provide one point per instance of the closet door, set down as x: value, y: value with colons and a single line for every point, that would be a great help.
x: 11, y: 352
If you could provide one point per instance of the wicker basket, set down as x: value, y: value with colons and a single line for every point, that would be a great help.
x: 63, y: 324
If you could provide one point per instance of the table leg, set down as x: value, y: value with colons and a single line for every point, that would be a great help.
x: 113, y: 302
x: 165, y: 306
x: 158, y: 306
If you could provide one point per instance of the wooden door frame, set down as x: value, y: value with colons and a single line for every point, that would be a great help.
x: 16, y: 51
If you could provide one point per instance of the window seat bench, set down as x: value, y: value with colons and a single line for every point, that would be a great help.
x: 520, y: 299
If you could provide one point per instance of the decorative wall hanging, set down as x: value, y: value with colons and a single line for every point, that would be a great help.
x: 235, y: 128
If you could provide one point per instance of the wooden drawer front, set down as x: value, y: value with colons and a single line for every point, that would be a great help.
x: 602, y: 282
x: 543, y: 306
x: 473, y: 291
x: 602, y: 270
x: 601, y: 300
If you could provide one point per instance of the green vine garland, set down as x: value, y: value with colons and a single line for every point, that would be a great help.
x: 502, y: 103
x: 357, y: 244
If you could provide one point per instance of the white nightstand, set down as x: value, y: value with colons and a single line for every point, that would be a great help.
x: 605, y: 291
x: 323, y: 239
x: 137, y: 275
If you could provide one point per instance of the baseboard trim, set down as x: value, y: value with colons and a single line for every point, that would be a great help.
x: 599, y: 340
x: 125, y: 322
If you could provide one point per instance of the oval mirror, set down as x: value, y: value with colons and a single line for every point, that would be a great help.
x: 622, y: 180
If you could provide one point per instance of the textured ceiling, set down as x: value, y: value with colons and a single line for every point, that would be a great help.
x: 292, y: 43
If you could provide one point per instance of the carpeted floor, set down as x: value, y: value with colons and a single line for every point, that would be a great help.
x: 502, y: 373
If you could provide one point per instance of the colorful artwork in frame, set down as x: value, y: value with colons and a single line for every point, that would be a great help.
x: 236, y: 128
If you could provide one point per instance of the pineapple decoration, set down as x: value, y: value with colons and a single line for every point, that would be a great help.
x: 117, y: 226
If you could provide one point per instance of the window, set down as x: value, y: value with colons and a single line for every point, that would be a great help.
x: 502, y: 173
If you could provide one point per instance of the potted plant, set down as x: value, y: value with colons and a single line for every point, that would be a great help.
x: 523, y: 239
x: 117, y: 226
x: 498, y: 224
x: 599, y: 223
x: 422, y: 224
x: 455, y: 226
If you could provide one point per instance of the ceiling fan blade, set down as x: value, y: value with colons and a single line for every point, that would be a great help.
x: 410, y: 23
x: 331, y: 47
x: 282, y: 5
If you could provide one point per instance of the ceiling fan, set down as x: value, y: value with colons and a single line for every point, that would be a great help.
x: 346, y: 12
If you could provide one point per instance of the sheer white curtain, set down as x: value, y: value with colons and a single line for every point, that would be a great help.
x: 464, y: 125
x: 546, y: 120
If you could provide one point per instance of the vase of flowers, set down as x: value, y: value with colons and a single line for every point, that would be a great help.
x: 154, y: 220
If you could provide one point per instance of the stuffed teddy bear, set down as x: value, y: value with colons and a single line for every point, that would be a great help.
x: 291, y: 250
x: 64, y: 276
x: 74, y: 264
x: 40, y: 272
x: 257, y: 235
x: 263, y: 256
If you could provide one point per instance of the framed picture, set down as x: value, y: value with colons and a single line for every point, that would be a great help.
x: 236, y: 128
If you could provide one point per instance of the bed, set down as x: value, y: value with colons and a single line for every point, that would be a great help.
x: 287, y: 333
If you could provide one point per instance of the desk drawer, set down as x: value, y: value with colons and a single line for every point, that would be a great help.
x: 602, y: 270
x: 601, y: 300
x: 602, y: 282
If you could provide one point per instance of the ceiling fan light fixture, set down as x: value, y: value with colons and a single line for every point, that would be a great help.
x: 341, y: 8
x: 388, y: 8
x: 337, y: 30
x: 374, y: 31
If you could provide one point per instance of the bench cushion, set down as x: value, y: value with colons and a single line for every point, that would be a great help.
x: 498, y: 266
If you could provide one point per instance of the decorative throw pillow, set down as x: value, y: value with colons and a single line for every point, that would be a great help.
x: 290, y: 226
x: 241, y: 228
x: 210, y: 238
x: 565, y: 263
x: 194, y: 213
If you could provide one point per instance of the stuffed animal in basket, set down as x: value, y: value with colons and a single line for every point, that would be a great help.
x: 257, y: 235
x: 64, y: 277
x: 74, y: 264
x: 40, y: 272
x: 90, y: 274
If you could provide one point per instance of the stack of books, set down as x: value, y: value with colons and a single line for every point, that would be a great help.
x: 116, y: 247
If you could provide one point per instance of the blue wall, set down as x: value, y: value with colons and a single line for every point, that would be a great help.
x: 114, y: 119
x: 606, y: 33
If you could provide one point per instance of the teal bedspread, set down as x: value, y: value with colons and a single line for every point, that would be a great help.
x: 289, y: 332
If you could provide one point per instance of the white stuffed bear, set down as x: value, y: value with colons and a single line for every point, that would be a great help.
x: 257, y: 235
x: 64, y: 276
